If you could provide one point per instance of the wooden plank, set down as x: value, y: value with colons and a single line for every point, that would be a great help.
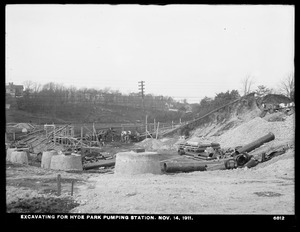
x: 88, y: 129
x: 149, y: 134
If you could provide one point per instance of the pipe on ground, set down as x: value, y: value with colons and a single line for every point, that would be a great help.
x: 251, y: 163
x: 255, y: 144
x: 102, y: 163
x: 242, y: 159
x: 171, y: 167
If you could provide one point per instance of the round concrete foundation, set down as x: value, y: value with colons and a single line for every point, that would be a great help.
x: 131, y: 163
x: 8, y: 153
x: 46, y: 158
x: 20, y: 157
x: 66, y: 162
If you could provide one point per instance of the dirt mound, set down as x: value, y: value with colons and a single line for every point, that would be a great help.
x: 212, y: 129
x: 256, y: 128
x: 278, y: 116
x: 229, y: 118
x: 243, y: 109
x: 283, y: 165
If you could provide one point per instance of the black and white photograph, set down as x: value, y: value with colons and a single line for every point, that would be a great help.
x: 149, y: 112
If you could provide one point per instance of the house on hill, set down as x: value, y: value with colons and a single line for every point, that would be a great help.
x: 275, y: 101
x: 14, y: 90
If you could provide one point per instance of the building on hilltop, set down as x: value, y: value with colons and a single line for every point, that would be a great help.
x: 14, y: 90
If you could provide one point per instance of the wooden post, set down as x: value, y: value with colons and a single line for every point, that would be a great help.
x: 93, y: 136
x: 58, y: 184
x: 154, y: 126
x: 180, y: 120
x: 54, y: 135
x: 72, y: 187
x: 157, y: 130
x: 146, y: 123
x: 81, y: 134
x: 172, y: 124
x: 14, y: 136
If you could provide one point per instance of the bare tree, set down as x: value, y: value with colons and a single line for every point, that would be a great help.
x: 36, y: 87
x: 106, y: 90
x: 28, y: 85
x: 247, y: 84
x: 287, y: 86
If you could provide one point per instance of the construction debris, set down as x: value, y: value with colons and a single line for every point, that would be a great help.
x: 198, y: 149
x: 212, y: 157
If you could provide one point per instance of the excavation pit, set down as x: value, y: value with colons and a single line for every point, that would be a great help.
x: 132, y: 163
x: 66, y: 162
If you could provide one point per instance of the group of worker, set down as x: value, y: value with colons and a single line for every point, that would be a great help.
x: 125, y: 136
x: 128, y: 136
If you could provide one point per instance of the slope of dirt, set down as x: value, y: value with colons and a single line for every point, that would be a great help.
x: 252, y: 130
x: 222, y: 119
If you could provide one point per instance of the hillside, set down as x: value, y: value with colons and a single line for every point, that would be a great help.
x: 235, y: 124
x: 89, y: 114
x: 229, y: 116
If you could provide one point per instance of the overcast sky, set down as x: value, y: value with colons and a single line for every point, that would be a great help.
x: 182, y: 51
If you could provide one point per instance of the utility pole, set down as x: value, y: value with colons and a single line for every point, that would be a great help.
x: 141, y: 88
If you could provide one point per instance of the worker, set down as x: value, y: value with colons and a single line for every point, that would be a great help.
x: 128, y: 136
x: 123, y: 136
x: 137, y: 134
x: 112, y: 131
x: 186, y: 133
x: 102, y: 142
